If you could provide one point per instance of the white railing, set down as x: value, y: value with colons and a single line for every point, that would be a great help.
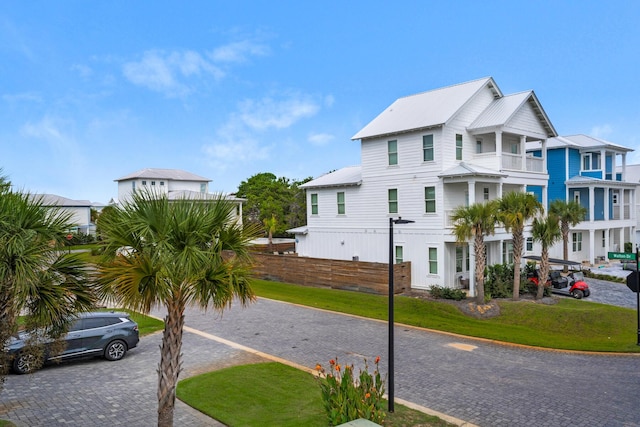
x: 512, y: 161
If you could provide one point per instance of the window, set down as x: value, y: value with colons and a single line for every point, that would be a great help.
x: 507, y: 252
x: 153, y: 183
x: 529, y: 244
x: 393, y: 200
x: 433, y: 260
x: 392, y: 152
x: 614, y: 198
x: 341, y: 203
x: 133, y: 185
x: 514, y: 148
x: 604, y: 241
x: 144, y: 182
x: 591, y: 161
x: 459, y: 258
x: 203, y: 188
x: 458, y: 147
x: 398, y: 254
x: 576, y: 197
x: 161, y: 183
x: 314, y: 204
x: 430, y: 199
x: 427, y: 148
x: 485, y: 193
x: 577, y: 242
x: 479, y: 146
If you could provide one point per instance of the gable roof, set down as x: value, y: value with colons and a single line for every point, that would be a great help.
x: 580, y: 142
x: 426, y: 109
x: 168, y: 174
x: 466, y: 169
x: 55, y: 200
x: 351, y: 175
x: 502, y: 110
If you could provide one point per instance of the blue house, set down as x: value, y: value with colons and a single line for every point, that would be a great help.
x: 592, y: 172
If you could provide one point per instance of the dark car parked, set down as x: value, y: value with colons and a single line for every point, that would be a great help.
x: 107, y: 334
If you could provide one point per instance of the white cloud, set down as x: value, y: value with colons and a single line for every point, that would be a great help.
x: 169, y: 72
x: 22, y: 97
x: 270, y: 113
x: 320, y: 139
x: 57, y: 133
x: 238, y: 51
x: 329, y: 100
x: 233, y: 146
x: 602, y: 131
x: 83, y: 70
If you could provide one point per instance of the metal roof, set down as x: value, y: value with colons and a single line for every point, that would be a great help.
x: 196, y: 195
x: 581, y: 142
x: 351, y: 175
x: 55, y: 200
x: 168, y: 174
x: 500, y: 112
x: 466, y: 169
x: 425, y: 110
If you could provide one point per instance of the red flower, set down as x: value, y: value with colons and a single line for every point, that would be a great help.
x: 332, y: 362
x: 377, y: 360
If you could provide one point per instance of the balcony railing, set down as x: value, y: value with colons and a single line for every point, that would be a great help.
x: 514, y: 162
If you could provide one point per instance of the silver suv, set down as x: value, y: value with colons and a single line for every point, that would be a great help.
x: 107, y: 334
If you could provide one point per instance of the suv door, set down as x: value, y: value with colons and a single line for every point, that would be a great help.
x: 74, y: 338
x: 97, y: 330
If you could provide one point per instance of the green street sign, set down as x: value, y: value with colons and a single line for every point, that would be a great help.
x: 621, y: 255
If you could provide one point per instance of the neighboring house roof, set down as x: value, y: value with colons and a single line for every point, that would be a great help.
x: 580, y: 142
x: 426, y: 109
x: 465, y: 169
x: 168, y: 174
x: 589, y: 180
x: 500, y: 112
x: 196, y: 195
x: 299, y: 230
x: 351, y: 175
x: 55, y: 200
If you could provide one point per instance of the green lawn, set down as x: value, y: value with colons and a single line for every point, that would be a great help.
x: 272, y: 394
x: 570, y: 324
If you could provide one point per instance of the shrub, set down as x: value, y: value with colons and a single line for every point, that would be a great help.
x: 347, y: 398
x: 499, y: 281
x: 442, y: 292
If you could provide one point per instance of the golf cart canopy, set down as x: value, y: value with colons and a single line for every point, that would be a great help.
x: 553, y: 260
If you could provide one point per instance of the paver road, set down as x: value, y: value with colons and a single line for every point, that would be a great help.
x: 484, y: 383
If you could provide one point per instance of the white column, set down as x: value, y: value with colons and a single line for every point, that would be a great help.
x: 607, y: 245
x: 624, y: 166
x: 545, y: 198
x: 472, y: 272
x: 592, y: 247
x: 472, y: 192
x: 607, y: 203
x: 621, y: 204
x: 523, y: 151
x: 544, y: 156
x: 592, y: 205
x: 499, y: 148
x: 499, y: 190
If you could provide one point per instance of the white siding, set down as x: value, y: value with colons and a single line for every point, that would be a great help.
x: 526, y: 120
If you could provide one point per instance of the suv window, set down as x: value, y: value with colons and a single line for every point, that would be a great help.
x: 99, y: 322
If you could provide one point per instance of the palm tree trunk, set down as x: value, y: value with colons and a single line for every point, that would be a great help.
x: 518, y: 243
x: 7, y: 324
x: 544, y: 272
x: 170, y: 361
x: 565, y: 245
x: 480, y: 264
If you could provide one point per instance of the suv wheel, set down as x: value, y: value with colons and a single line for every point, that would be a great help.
x: 115, y: 350
x: 24, y: 363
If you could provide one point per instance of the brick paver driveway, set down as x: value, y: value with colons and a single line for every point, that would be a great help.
x: 484, y: 383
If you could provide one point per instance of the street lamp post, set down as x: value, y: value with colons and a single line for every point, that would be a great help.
x: 390, y: 381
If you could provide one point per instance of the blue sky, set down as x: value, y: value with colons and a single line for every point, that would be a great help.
x: 92, y: 91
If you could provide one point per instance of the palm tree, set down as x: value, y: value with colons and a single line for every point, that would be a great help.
x: 569, y: 214
x: 38, y: 279
x: 546, y: 231
x: 174, y: 254
x: 515, y: 209
x: 270, y: 224
x: 475, y: 222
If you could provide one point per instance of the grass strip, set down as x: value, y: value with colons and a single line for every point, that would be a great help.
x: 272, y: 394
x: 569, y: 325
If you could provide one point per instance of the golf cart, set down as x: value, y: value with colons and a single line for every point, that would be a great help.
x: 572, y: 284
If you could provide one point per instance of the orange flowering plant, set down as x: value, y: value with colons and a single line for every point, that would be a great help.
x: 347, y: 397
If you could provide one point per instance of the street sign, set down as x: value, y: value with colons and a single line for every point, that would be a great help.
x: 621, y: 255
x: 632, y: 281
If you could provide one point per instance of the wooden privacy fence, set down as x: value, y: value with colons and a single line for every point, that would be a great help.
x: 371, y: 277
